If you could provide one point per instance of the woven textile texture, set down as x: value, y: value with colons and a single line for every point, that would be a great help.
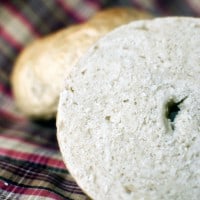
x: 31, y: 166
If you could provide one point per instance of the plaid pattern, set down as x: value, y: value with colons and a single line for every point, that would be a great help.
x: 31, y: 166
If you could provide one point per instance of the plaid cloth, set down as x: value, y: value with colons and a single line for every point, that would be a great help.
x: 31, y: 166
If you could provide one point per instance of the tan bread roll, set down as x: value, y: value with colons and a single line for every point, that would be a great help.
x: 39, y: 71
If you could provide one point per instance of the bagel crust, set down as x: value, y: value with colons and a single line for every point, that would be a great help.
x: 129, y: 116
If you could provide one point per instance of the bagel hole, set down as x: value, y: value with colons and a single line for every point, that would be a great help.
x: 172, y: 110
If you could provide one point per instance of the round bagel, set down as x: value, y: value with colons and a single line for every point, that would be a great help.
x: 39, y: 72
x: 129, y: 117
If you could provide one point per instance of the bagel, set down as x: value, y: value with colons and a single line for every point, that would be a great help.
x: 128, y: 122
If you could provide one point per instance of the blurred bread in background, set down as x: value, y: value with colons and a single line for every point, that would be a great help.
x: 40, y: 69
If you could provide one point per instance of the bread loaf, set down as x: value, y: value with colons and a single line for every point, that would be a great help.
x: 39, y: 71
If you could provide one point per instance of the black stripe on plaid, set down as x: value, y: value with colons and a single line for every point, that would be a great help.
x: 37, y: 139
x: 7, y: 58
x: 44, y: 179
x: 33, y: 187
x: 8, y: 196
x: 173, y: 6
x: 25, y: 164
x: 5, y: 65
x: 49, y: 16
x: 35, y: 133
x: 52, y: 180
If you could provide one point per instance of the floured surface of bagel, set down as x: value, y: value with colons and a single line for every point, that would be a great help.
x: 129, y: 117
x: 39, y: 71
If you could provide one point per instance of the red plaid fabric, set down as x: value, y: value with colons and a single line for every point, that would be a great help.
x: 31, y: 165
